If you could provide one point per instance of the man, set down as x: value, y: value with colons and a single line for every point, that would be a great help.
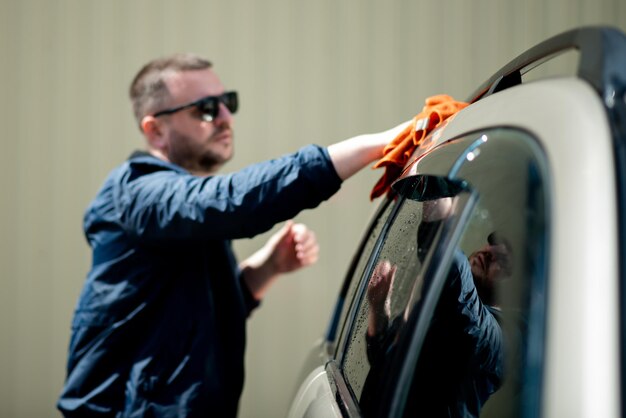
x: 159, y: 328
x: 490, y: 265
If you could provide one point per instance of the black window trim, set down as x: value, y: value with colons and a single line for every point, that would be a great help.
x: 343, y: 394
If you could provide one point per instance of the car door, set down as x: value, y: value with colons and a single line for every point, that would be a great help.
x: 478, y: 195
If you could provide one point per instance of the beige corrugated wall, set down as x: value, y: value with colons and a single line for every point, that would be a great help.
x: 307, y: 71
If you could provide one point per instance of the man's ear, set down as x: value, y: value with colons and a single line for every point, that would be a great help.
x: 153, y: 131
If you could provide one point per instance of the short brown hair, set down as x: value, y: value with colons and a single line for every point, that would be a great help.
x: 148, y: 90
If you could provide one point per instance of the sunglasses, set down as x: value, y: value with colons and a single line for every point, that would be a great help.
x: 209, y: 107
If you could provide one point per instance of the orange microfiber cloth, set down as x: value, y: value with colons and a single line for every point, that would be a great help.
x: 396, y: 154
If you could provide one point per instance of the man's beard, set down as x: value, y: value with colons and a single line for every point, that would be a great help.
x: 211, y: 162
x: 184, y: 155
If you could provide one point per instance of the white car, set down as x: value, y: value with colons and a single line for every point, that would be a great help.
x: 492, y: 279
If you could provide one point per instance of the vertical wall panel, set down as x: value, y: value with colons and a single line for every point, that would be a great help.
x: 34, y: 191
x: 9, y: 13
x: 306, y: 71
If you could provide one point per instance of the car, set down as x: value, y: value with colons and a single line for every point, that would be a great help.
x: 491, y: 280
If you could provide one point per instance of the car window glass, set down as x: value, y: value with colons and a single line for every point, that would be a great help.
x: 481, y: 355
x: 351, y: 285
x: 395, y: 282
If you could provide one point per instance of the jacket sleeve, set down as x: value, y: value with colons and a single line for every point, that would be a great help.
x: 475, y: 320
x: 170, y: 204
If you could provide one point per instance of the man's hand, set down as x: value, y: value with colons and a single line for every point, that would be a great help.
x: 379, y: 297
x: 292, y: 247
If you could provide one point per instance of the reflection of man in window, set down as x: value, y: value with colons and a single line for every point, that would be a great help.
x: 461, y: 362
x: 490, y: 265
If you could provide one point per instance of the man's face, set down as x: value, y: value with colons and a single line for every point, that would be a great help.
x: 193, y: 143
x: 489, y: 264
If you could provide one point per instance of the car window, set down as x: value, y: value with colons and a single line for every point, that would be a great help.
x: 396, y: 280
x: 503, y: 251
x: 443, y: 322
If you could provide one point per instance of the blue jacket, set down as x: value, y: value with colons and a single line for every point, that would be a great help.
x: 159, y: 328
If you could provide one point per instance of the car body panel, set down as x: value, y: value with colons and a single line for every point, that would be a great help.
x: 315, y: 397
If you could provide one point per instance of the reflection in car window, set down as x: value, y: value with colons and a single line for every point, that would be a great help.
x: 351, y: 285
x: 463, y: 333
x: 511, y: 221
x: 395, y: 283
x: 461, y: 362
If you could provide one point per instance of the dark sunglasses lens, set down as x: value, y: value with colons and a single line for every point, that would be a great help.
x: 209, y: 106
x: 230, y: 100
